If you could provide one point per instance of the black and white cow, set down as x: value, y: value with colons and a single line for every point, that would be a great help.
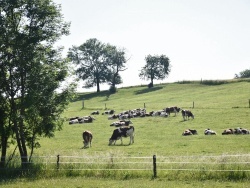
x: 173, y: 109
x: 186, y: 114
x: 121, y: 123
x: 189, y: 132
x: 209, y: 132
x: 122, y: 132
x: 87, y: 138
x: 86, y: 119
x: 109, y: 112
x: 95, y: 112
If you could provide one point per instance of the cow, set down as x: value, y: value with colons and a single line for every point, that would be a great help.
x: 73, y: 121
x: 121, y: 123
x: 109, y: 112
x: 186, y: 114
x: 209, y: 132
x: 227, y: 131
x: 114, y: 116
x: 95, y: 113
x: 189, y: 132
x: 86, y: 119
x: 122, y: 132
x: 173, y: 109
x: 241, y: 131
x: 87, y: 138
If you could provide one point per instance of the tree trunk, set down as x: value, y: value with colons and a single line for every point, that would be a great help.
x: 3, y: 151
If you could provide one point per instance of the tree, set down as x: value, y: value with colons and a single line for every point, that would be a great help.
x: 98, y: 63
x: 32, y: 71
x: 157, y: 67
x: 116, y: 63
x: 243, y: 74
x: 90, y: 60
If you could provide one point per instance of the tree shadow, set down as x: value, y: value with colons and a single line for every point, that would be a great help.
x: 87, y: 96
x: 147, y: 90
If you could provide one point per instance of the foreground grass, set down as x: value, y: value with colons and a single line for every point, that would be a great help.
x: 64, y: 182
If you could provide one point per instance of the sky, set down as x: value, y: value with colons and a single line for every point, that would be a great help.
x: 204, y: 39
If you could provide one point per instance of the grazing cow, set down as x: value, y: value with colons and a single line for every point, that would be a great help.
x: 189, y: 132
x: 121, y: 123
x: 122, y: 132
x: 95, y: 113
x: 186, y: 114
x: 227, y: 131
x: 108, y: 112
x: 87, y: 139
x: 173, y: 109
x: 209, y: 132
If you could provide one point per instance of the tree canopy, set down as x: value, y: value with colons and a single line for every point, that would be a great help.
x: 32, y: 70
x: 97, y: 63
x: 243, y: 74
x: 157, y: 67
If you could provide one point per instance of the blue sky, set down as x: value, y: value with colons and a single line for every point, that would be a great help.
x: 204, y: 39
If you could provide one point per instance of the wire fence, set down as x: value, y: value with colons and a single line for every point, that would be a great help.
x: 220, y: 163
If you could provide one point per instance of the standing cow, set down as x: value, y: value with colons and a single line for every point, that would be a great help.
x: 122, y: 132
x: 186, y: 114
x: 87, y: 139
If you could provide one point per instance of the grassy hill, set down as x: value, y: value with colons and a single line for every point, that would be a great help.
x: 216, y: 105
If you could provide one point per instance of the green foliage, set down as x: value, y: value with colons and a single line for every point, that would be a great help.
x: 157, y: 67
x: 243, y: 74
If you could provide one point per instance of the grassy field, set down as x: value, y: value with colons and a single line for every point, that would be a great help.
x: 215, y: 106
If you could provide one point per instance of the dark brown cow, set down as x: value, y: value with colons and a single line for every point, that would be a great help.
x: 87, y: 138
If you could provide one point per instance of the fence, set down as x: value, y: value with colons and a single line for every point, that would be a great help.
x: 153, y: 164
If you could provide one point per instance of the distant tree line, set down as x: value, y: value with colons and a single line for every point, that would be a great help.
x: 243, y: 74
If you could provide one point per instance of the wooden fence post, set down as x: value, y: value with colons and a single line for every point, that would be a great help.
x: 57, y: 162
x: 82, y: 103
x: 105, y: 106
x: 144, y: 105
x: 193, y: 104
x: 249, y: 103
x: 154, y: 166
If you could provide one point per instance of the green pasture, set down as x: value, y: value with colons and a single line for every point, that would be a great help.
x: 215, y: 106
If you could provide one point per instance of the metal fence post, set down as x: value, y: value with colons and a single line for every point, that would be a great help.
x: 154, y: 166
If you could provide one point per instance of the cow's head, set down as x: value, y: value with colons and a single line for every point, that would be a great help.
x: 111, y: 141
x: 85, y: 144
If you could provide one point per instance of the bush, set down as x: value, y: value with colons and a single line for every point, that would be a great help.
x: 112, y: 89
x: 150, y: 85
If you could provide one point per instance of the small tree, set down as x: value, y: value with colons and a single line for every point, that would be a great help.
x: 243, y: 74
x: 157, y: 67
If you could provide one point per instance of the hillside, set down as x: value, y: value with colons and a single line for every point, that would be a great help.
x: 216, y: 106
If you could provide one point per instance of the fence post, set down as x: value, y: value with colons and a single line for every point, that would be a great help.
x: 105, y: 106
x: 145, y: 104
x: 249, y: 103
x: 57, y: 162
x: 154, y: 166
x: 82, y: 103
x: 193, y: 104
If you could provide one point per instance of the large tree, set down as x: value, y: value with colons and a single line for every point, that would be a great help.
x: 157, y: 67
x: 90, y: 60
x: 32, y: 71
x: 98, y: 63
x: 116, y: 63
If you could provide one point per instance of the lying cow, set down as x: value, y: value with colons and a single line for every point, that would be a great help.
x: 86, y: 119
x: 73, y: 121
x: 108, y: 112
x: 227, y: 131
x: 186, y: 114
x: 87, y: 139
x: 121, y: 123
x: 122, y: 132
x: 209, y: 132
x: 189, y: 132
x: 173, y: 109
x: 241, y: 131
x: 95, y: 113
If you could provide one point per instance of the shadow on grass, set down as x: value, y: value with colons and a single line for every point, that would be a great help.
x: 87, y: 96
x: 147, y: 90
